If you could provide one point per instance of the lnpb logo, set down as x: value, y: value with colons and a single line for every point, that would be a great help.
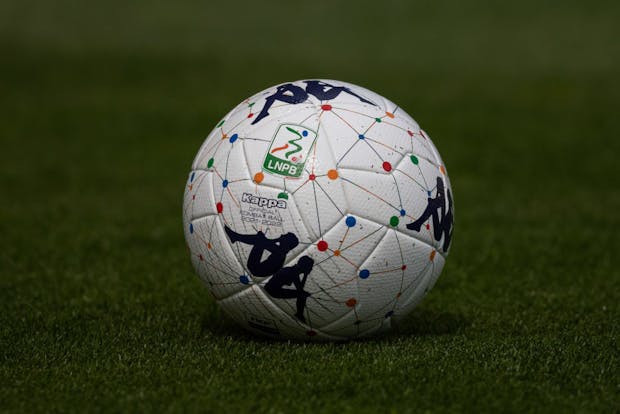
x: 289, y: 149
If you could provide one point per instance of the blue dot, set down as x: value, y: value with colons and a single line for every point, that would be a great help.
x: 364, y: 273
x: 350, y: 221
x: 191, y: 228
x: 233, y: 138
x: 429, y: 193
x: 191, y: 178
x: 403, y: 212
x: 244, y: 279
x: 390, y: 313
x: 361, y: 136
x: 305, y: 133
x: 225, y: 183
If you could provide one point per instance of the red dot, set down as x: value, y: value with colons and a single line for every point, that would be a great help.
x: 404, y: 267
x: 311, y: 177
x: 326, y: 107
x: 201, y: 257
x: 387, y: 166
x: 428, y: 226
x: 194, y: 197
x: 410, y: 133
x: 219, y: 207
x: 250, y: 115
x: 322, y: 245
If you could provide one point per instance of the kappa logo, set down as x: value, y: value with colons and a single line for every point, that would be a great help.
x: 289, y: 149
x: 262, y: 201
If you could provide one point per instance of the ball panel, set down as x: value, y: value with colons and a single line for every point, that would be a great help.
x: 212, y: 257
x: 322, y: 204
x: 436, y: 269
x: 350, y: 326
x: 198, y: 200
x: 395, y: 268
x: 254, y: 310
x: 420, y: 289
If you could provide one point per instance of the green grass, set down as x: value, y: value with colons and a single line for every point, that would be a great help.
x: 104, y: 106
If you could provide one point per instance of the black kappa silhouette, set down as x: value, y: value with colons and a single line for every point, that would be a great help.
x: 292, y: 276
x: 273, y: 266
x: 442, y: 222
x: 278, y: 249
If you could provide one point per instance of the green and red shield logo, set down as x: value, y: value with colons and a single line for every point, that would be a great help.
x: 289, y: 150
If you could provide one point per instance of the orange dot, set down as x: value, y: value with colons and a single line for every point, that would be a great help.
x: 224, y: 136
x: 351, y: 302
x: 259, y: 177
x: 399, y: 294
x: 433, y: 255
x: 389, y: 114
x: 442, y: 169
x: 209, y: 246
x: 336, y: 252
x: 332, y: 174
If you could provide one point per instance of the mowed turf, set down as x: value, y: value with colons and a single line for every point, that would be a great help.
x: 104, y: 105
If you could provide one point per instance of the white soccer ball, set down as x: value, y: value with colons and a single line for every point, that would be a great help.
x: 318, y: 210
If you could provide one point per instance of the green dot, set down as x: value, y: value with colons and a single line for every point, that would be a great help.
x: 414, y: 159
x: 251, y: 104
x: 378, y: 119
x: 394, y: 221
x: 283, y: 195
x: 210, y: 163
x: 221, y: 123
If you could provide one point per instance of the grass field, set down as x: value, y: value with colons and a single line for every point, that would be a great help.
x: 104, y: 106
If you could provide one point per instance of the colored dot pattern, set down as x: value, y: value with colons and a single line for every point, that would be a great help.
x: 322, y: 245
x: 350, y: 221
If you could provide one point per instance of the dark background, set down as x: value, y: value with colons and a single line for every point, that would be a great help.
x: 104, y: 104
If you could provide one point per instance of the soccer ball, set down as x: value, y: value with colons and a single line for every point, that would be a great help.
x: 318, y: 210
